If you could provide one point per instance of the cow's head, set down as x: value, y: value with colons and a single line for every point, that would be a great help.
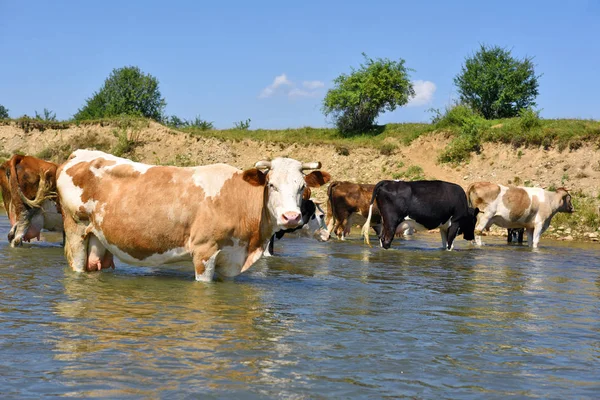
x: 315, y: 226
x: 26, y: 184
x: 466, y: 226
x: 565, y: 202
x: 285, y: 184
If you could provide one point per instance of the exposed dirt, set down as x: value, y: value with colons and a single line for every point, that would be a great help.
x: 578, y: 170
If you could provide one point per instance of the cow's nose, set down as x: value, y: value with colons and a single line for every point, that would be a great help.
x: 291, y: 217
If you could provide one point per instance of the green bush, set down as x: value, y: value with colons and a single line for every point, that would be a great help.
x: 127, y: 91
x: 529, y: 119
x: 460, y: 149
x: 497, y: 85
x: 3, y: 112
x: 357, y: 99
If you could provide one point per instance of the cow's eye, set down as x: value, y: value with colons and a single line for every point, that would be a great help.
x: 273, y: 188
x: 313, y: 217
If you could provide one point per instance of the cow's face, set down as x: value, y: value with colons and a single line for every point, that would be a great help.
x: 284, y: 185
x: 467, y: 224
x: 315, y: 226
x: 566, y: 204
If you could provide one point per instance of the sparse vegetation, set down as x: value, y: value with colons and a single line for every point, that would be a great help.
x: 387, y: 149
x: 412, y: 173
x: 242, y: 125
x: 47, y: 116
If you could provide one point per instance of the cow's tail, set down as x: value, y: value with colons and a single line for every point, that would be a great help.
x: 367, y: 225
x: 468, y: 193
x: 330, y: 216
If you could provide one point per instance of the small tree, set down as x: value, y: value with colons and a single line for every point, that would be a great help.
x: 127, y: 91
x: 3, y: 112
x: 357, y: 99
x: 497, y: 85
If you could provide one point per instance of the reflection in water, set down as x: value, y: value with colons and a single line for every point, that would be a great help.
x: 334, y: 319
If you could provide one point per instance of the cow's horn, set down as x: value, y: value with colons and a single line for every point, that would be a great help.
x: 263, y: 164
x: 311, y: 165
x: 42, y: 194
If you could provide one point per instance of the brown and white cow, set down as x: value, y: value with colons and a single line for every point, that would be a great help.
x: 348, y: 204
x: 517, y: 207
x: 28, y: 187
x: 216, y: 215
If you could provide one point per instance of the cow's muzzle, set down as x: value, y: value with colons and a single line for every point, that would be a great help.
x: 291, y: 219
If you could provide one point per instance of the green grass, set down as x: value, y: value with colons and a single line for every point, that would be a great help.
x: 468, y: 129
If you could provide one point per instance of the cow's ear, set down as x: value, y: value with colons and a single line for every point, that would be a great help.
x: 306, y: 193
x: 317, y: 178
x: 254, y: 177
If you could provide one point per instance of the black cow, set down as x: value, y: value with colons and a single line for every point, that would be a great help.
x: 313, y: 224
x: 432, y: 204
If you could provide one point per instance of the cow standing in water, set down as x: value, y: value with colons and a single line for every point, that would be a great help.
x: 216, y: 215
x: 517, y: 207
x: 28, y: 187
x: 432, y: 204
x: 348, y: 203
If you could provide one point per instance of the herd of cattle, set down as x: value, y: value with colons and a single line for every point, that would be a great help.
x: 224, y: 219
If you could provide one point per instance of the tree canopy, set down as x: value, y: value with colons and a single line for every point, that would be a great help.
x: 127, y: 91
x: 358, y: 98
x: 497, y: 85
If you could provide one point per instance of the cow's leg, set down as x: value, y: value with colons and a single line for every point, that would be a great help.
x: 205, y: 260
x: 269, y: 250
x: 483, y: 223
x: 76, y: 244
x: 520, y: 236
x: 444, y: 234
x: 537, y: 233
x: 530, y: 237
x: 452, y: 232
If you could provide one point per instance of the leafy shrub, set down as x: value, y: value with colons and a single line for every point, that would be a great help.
x: 460, y: 149
x: 204, y: 125
x: 127, y: 91
x: 242, y: 125
x: 342, y: 150
x: 529, y: 118
x: 357, y: 99
x: 387, y: 149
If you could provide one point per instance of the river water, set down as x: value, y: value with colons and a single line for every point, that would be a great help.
x: 320, y: 320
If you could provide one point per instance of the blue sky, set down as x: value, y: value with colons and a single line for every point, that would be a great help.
x: 273, y: 61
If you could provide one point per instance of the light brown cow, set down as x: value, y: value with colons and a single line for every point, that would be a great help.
x: 517, y: 207
x: 28, y: 187
x: 348, y: 204
x: 216, y: 215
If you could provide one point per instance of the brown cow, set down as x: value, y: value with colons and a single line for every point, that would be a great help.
x: 517, y: 207
x: 348, y: 204
x: 28, y: 187
x: 217, y: 216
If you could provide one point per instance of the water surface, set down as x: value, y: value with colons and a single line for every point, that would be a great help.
x: 321, y: 320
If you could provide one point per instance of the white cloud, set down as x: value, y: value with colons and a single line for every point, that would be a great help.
x: 281, y: 84
x: 303, y: 93
x: 280, y: 80
x: 424, y: 91
x: 312, y: 85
